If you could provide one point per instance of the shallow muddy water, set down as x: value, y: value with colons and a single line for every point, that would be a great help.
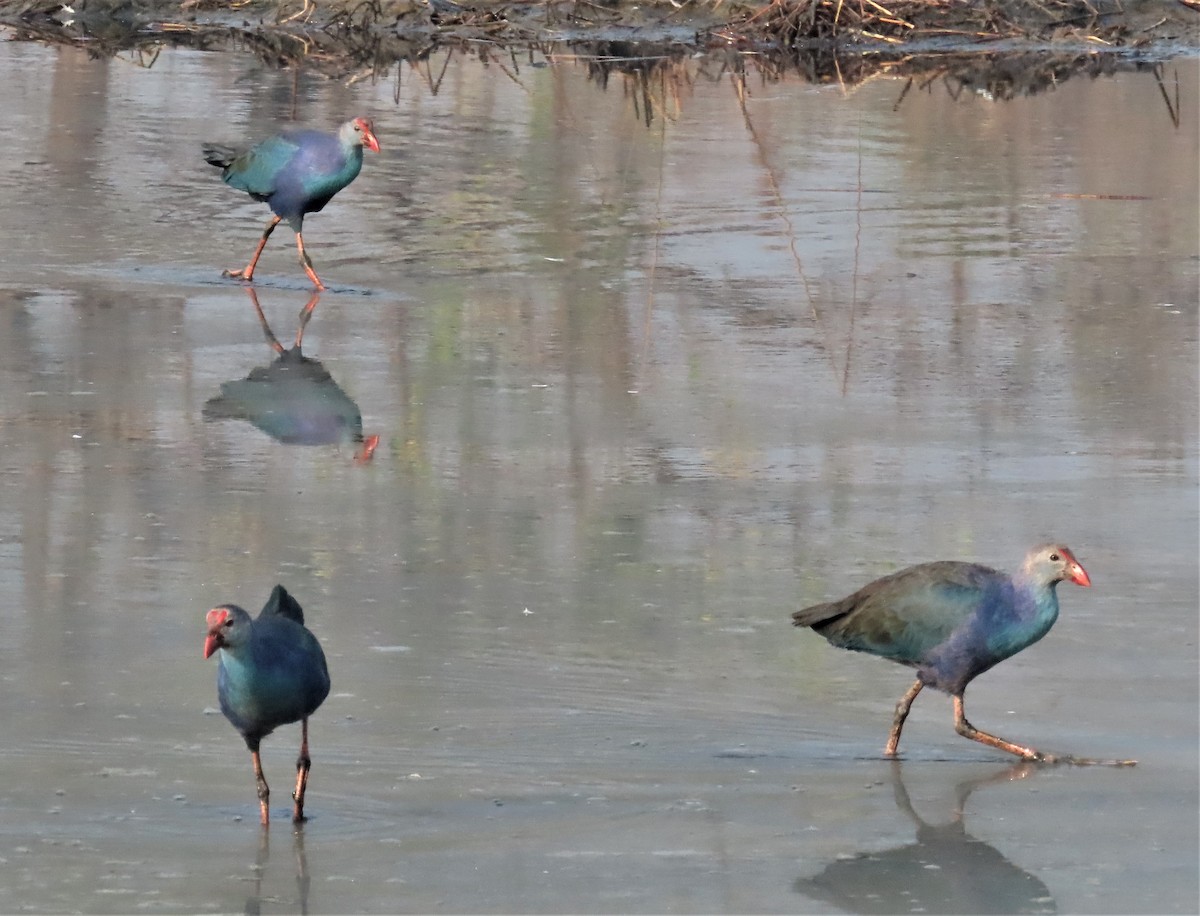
x: 641, y: 393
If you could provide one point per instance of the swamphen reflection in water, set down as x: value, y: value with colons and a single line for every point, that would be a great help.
x: 270, y: 672
x: 293, y: 400
x: 296, y: 172
x: 953, y: 621
x: 945, y: 870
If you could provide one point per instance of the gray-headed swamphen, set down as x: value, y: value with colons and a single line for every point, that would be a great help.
x: 952, y: 621
x: 270, y: 672
x: 296, y: 172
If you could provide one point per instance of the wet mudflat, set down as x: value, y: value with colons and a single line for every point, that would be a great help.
x: 641, y: 391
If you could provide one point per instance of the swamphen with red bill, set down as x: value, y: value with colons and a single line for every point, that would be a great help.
x: 952, y: 621
x: 295, y: 172
x: 270, y: 671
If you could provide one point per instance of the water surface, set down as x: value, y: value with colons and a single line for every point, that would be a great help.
x: 641, y: 392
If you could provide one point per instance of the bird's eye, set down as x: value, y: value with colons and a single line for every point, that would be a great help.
x: 229, y: 622
x: 1054, y: 558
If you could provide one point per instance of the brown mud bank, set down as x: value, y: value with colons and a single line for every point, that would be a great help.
x: 1002, y: 48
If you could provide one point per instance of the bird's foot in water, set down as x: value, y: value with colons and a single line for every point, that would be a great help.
x: 298, y: 816
x: 240, y: 273
x: 1068, y: 760
x: 318, y: 286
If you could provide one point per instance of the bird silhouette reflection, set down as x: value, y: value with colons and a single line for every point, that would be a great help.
x: 293, y: 400
x: 945, y: 871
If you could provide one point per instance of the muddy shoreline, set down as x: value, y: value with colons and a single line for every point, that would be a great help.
x: 1009, y: 50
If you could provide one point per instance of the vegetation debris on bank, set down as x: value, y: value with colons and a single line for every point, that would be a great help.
x: 1002, y: 48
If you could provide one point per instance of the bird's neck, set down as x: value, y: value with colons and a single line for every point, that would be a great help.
x: 1037, y: 604
x: 1028, y: 616
x: 238, y: 661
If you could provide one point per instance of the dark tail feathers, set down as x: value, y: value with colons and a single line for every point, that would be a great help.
x: 283, y: 604
x: 218, y: 155
x: 817, y: 615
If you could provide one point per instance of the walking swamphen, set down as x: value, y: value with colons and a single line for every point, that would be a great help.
x: 270, y: 671
x: 295, y: 172
x: 952, y: 621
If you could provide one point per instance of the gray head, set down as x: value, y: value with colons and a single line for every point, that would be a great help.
x: 228, y: 628
x: 359, y: 132
x: 1048, y: 564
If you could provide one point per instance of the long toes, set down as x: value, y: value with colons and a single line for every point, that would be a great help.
x: 1036, y: 756
x: 1068, y: 760
x: 1092, y: 762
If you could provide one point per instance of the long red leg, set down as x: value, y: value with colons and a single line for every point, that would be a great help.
x: 307, y: 264
x: 264, y: 793
x: 967, y: 730
x: 303, y: 765
x: 247, y: 272
x: 902, y: 708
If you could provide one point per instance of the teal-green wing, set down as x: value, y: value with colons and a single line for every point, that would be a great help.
x: 256, y: 171
x: 905, y: 615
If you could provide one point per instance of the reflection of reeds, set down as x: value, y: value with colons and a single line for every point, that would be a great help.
x: 848, y: 42
x: 781, y: 209
x: 1172, y: 107
x: 654, y: 79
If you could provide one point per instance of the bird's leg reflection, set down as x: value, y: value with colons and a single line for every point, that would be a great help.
x: 261, y: 860
x: 262, y: 320
x: 962, y: 790
x: 943, y: 870
x: 302, y: 879
x: 305, y: 315
x: 294, y: 399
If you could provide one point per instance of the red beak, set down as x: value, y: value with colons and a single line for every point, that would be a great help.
x: 212, y: 643
x: 216, y: 622
x: 369, y: 139
x: 1079, y: 575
